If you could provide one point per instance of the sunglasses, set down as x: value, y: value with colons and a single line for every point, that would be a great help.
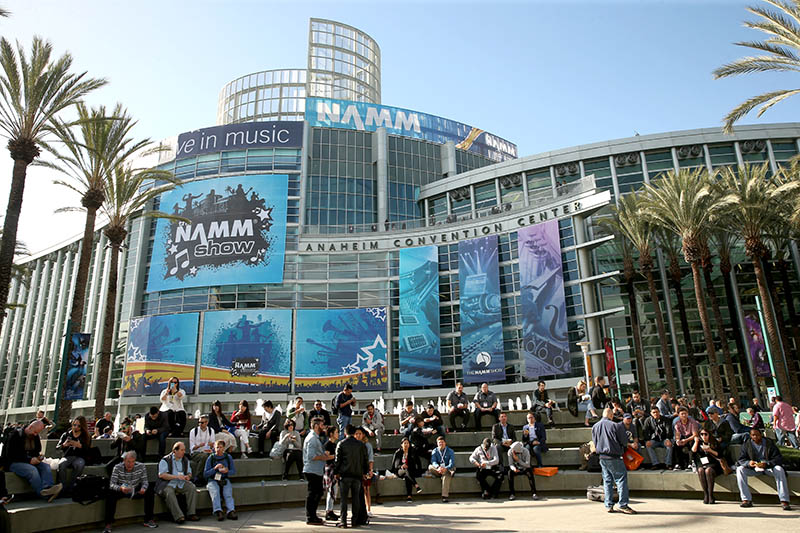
x: 703, y: 433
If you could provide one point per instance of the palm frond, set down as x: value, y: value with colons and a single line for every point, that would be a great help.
x: 767, y: 99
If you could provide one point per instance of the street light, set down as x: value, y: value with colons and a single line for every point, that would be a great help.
x: 587, y: 363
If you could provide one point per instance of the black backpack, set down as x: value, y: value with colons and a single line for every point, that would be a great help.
x: 89, y: 489
x: 335, y: 405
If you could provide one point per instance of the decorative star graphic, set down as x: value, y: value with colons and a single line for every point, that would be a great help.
x: 370, y: 361
x: 193, y: 271
x: 264, y: 214
x: 172, y: 249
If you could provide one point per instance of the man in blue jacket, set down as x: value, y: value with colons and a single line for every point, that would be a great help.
x: 610, y: 441
x: 761, y: 456
x: 443, y: 465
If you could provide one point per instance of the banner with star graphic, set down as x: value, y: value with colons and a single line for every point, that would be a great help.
x: 337, y: 346
x: 160, y: 347
x: 235, y: 233
x: 246, y: 351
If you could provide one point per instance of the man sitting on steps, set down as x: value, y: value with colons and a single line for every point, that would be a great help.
x: 175, y: 477
x: 129, y: 480
x: 22, y: 454
x: 761, y: 456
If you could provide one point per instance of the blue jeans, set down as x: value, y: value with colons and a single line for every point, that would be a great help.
x: 780, y: 433
x: 227, y: 493
x: 343, y: 421
x: 40, y: 476
x: 614, y: 472
x: 777, y: 472
x: 651, y: 451
x: 586, y: 405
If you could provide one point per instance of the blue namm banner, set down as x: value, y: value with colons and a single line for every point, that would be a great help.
x: 160, y: 347
x: 76, y: 370
x: 420, y: 355
x: 236, y: 233
x: 246, y: 351
x: 337, y: 346
x: 481, y: 321
x: 545, y: 345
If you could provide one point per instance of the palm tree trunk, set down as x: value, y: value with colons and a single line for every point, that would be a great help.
x: 687, y: 340
x: 730, y: 375
x: 783, y: 266
x: 772, y: 331
x: 79, y: 300
x: 662, y: 332
x: 641, y: 372
x: 791, y: 377
x: 734, y: 314
x: 108, y: 333
x: 716, y: 379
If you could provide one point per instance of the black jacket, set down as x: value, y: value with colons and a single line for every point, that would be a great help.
x: 419, y: 442
x: 322, y: 413
x: 161, y: 423
x: 273, y: 424
x: 748, y: 453
x: 214, y: 423
x: 660, y: 429
x: 414, y: 465
x: 136, y: 444
x: 723, y: 433
x: 352, y: 460
x: 599, y: 397
x: 497, y: 433
x: 14, y: 451
x: 69, y: 451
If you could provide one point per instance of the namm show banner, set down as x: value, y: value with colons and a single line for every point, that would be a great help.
x: 482, y: 353
x: 545, y: 345
x: 246, y: 351
x: 338, y: 346
x: 236, y: 233
x: 419, y: 349
x: 160, y: 347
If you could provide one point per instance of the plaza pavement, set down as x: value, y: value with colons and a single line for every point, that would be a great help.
x: 552, y: 513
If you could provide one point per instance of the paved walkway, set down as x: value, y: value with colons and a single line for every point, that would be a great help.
x: 554, y: 513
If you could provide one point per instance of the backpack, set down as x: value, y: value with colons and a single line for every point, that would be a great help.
x: 335, y: 405
x: 593, y: 463
x: 597, y: 494
x: 89, y: 488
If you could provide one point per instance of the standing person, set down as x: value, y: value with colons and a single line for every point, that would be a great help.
x: 243, y: 422
x: 298, y: 413
x: 175, y: 477
x: 372, y: 422
x: 685, y: 430
x: 23, y: 456
x: 320, y: 412
x: 329, y: 479
x: 74, y: 444
x: 344, y: 408
x: 503, y: 435
x: 610, y: 442
x: 458, y: 407
x: 519, y: 464
x: 443, y: 465
x: 201, y: 446
x: 657, y: 434
x: 221, y: 425
x: 129, y: 480
x: 485, y: 404
x: 370, y: 479
x: 783, y: 422
x: 172, y: 404
x: 707, y: 455
x: 542, y: 402
x: 292, y: 445
x: 487, y: 462
x: 406, y: 466
x: 350, y: 466
x: 156, y: 426
x: 270, y: 427
x: 314, y: 459
x: 218, y: 469
x: 761, y: 456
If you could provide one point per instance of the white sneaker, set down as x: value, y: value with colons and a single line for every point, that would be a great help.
x: 369, y: 514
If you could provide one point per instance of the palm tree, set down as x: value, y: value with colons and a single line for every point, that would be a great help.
x: 127, y: 194
x: 681, y: 202
x: 780, y: 53
x: 748, y: 209
x: 100, y: 144
x: 668, y: 242
x: 33, y: 91
x: 624, y: 249
x: 632, y: 223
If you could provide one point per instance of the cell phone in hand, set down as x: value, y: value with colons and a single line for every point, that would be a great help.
x: 8, y: 499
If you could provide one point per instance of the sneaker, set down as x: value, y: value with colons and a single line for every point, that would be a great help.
x: 511, y: 498
x: 677, y: 468
x: 610, y: 509
x: 627, y: 510
x: 151, y: 524
x: 746, y: 504
x: 315, y: 521
x: 192, y: 518
x: 786, y: 506
x: 330, y: 515
x: 180, y: 520
x: 107, y: 529
x: 369, y: 514
x: 419, y: 489
x: 244, y: 455
x: 445, y: 500
x: 52, y: 491
x: 232, y: 515
x: 409, y: 500
x: 485, y: 495
x: 219, y: 515
x: 534, y: 497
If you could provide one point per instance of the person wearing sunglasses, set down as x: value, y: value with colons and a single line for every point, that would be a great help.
x: 706, y: 454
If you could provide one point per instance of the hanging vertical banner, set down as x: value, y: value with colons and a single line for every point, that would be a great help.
x: 544, y: 310
x: 420, y: 355
x: 611, y: 369
x: 246, y: 351
x: 481, y: 321
x: 75, y: 384
x: 160, y: 347
x: 338, y: 346
x: 756, y: 346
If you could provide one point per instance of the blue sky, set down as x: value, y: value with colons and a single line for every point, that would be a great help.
x: 545, y: 75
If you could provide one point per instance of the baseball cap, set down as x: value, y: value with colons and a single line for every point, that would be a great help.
x: 627, y: 415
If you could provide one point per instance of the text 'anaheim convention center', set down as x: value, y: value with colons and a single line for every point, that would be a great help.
x: 328, y: 238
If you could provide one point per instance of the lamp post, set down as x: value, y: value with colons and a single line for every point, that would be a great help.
x: 8, y: 408
x: 587, y: 363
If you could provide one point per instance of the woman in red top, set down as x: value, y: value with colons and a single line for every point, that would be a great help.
x: 241, y: 419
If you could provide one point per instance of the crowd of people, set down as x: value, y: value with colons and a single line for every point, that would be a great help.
x: 336, y: 457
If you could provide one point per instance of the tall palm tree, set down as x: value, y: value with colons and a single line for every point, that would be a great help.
x: 632, y: 223
x: 34, y: 89
x: 748, y: 209
x: 93, y: 146
x: 669, y: 244
x: 681, y: 202
x: 780, y: 52
x: 127, y: 193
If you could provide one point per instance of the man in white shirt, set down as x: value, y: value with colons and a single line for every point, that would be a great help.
x: 201, y: 446
x: 487, y: 461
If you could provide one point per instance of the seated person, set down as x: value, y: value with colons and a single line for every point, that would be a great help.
x: 519, y: 464
x: 740, y: 432
x: 443, y: 465
x: 127, y: 440
x: 23, y: 456
x: 542, y: 404
x: 218, y: 468
x: 685, y: 430
x: 242, y: 422
x: 372, y: 422
x: 129, y: 480
x: 201, y: 445
x: 760, y: 456
x: 487, y: 462
x: 292, y: 445
x: 175, y: 477
x: 297, y: 412
x: 485, y: 404
x: 156, y: 426
x: 755, y: 419
x: 433, y: 420
x: 619, y: 411
x: 270, y: 427
x: 657, y: 432
x: 503, y: 435
x: 632, y: 430
x: 636, y: 402
x: 534, y: 437
x: 320, y: 412
x: 102, y: 427
x: 407, y: 422
x: 74, y: 444
x: 406, y: 466
x: 419, y: 439
x: 707, y: 454
x: 458, y: 407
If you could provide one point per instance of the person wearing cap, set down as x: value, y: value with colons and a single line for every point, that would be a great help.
x: 487, y: 462
x: 633, y: 430
x: 719, y: 428
x: 519, y: 464
x: 740, y: 432
x: 433, y: 420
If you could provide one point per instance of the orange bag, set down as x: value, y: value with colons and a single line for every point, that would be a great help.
x: 632, y: 459
x: 546, y: 471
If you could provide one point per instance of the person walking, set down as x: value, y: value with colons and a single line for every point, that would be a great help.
x: 610, y: 440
